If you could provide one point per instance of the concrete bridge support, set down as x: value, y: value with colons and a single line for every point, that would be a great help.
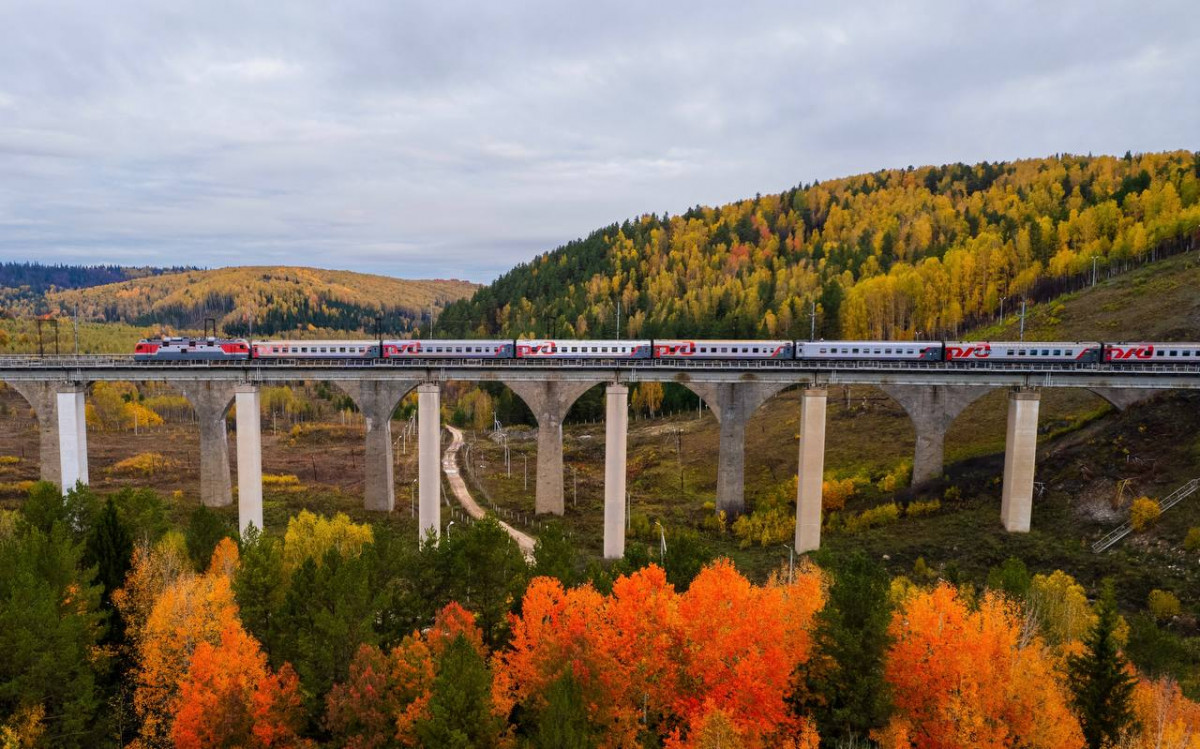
x: 211, y: 401
x: 616, y: 427
x: 932, y: 408
x: 811, y: 470
x: 429, y: 459
x: 550, y: 401
x: 377, y: 400
x: 72, y: 436
x: 249, y: 449
x: 733, y: 403
x: 43, y: 399
x: 1020, y: 459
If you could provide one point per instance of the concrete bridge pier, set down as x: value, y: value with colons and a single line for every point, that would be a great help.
x: 43, y: 399
x: 72, y: 435
x: 429, y: 459
x: 377, y: 400
x: 616, y: 427
x: 1020, y: 458
x: 932, y: 409
x: 550, y: 401
x: 249, y: 450
x: 733, y: 403
x: 211, y: 401
x: 811, y: 470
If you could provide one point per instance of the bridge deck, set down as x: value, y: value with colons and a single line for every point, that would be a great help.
x: 983, y: 374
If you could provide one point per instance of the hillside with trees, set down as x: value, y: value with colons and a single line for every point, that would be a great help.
x: 23, y: 286
x: 264, y: 300
x: 890, y: 254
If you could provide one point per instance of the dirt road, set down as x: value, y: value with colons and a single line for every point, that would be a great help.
x: 459, y: 487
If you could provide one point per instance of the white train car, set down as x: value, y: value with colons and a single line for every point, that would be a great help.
x: 1152, y: 353
x: 448, y: 349
x: 1082, y: 352
x: 693, y: 349
x: 316, y: 349
x: 869, y: 350
x: 546, y: 348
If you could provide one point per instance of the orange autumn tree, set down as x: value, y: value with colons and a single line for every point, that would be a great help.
x: 963, y: 677
x: 1167, y: 719
x: 648, y: 658
x: 229, y: 697
x: 190, y: 610
x: 388, y: 693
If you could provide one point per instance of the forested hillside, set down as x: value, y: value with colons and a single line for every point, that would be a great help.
x: 884, y: 255
x: 23, y: 285
x: 271, y: 299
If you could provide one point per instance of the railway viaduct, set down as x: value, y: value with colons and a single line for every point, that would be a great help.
x: 932, y: 393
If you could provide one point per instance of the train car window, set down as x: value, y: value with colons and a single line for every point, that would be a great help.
x: 1058, y: 352
x: 1045, y: 352
x: 1173, y: 353
x: 854, y: 351
x: 1160, y: 352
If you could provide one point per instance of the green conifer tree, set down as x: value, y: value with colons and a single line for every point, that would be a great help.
x: 845, y: 690
x: 110, y: 549
x: 1102, y: 685
x: 460, y: 706
x: 563, y: 723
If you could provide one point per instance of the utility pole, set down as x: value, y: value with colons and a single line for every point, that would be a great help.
x: 77, y: 327
x: 1094, y: 260
x: 618, y: 319
x: 679, y: 454
x: 526, y: 457
x: 1022, y: 320
x: 1002, y: 309
x: 812, y: 331
x: 574, y: 487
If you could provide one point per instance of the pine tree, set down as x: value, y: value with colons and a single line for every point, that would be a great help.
x: 1100, y: 679
x: 260, y: 586
x: 205, y: 530
x: 846, y: 690
x: 110, y: 549
x: 460, y: 706
x: 563, y: 723
x: 555, y: 556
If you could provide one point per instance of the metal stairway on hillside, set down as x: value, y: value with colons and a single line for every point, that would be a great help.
x: 1121, y: 531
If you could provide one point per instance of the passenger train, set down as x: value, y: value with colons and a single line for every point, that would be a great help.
x: 209, y: 348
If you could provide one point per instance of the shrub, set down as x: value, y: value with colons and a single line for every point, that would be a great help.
x: 767, y: 527
x: 881, y: 515
x: 144, y: 464
x: 280, y: 479
x: 322, y: 434
x: 1163, y: 604
x: 1191, y: 542
x: 9, y: 460
x: 640, y: 526
x: 835, y: 494
x: 1144, y: 513
x: 917, y: 509
x: 952, y: 494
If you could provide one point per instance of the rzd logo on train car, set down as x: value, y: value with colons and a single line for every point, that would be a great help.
x: 686, y: 348
x: 1124, y: 353
x: 411, y: 347
x: 542, y: 349
x: 979, y: 351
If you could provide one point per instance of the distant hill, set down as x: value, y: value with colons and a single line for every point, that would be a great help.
x: 271, y: 299
x: 23, y: 285
x: 890, y: 254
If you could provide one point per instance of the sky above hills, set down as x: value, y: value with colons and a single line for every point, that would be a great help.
x: 451, y: 139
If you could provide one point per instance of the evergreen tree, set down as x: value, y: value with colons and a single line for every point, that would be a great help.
x: 259, y: 586
x: 845, y: 690
x: 1100, y: 679
x: 555, y: 556
x: 563, y: 723
x: 109, y: 549
x: 460, y: 705
x: 205, y: 530
x: 50, y: 627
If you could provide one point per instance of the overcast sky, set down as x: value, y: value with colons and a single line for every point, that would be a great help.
x: 449, y: 139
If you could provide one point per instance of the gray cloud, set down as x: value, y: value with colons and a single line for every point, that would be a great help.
x: 457, y: 139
